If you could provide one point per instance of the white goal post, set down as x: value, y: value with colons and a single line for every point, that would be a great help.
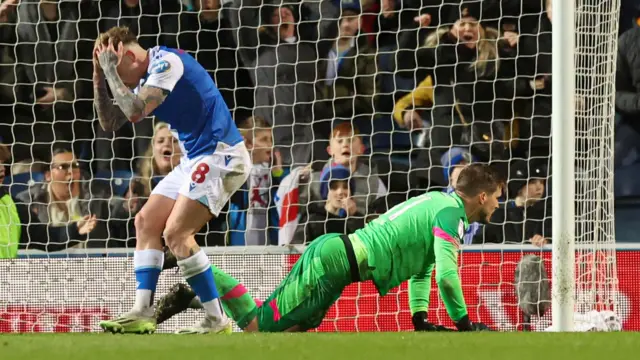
x: 584, y: 48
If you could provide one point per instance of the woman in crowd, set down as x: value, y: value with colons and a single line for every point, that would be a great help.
x: 471, y: 88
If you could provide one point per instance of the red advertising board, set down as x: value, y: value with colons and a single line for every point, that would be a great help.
x: 62, y: 299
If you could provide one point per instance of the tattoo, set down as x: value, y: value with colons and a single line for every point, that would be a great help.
x: 134, y: 107
x: 192, y: 251
x: 129, y: 103
x: 110, y: 116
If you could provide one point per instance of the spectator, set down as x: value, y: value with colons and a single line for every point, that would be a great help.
x: 408, y: 109
x: 346, y: 149
x: 162, y: 155
x: 351, y: 84
x: 53, y: 72
x: 252, y: 218
x: 288, y: 52
x: 526, y: 217
x: 471, y: 93
x: 338, y: 213
x: 207, y: 35
x: 532, y: 54
x: 73, y: 209
x: 155, y: 22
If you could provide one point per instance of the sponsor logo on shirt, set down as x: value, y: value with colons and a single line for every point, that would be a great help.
x: 160, y: 67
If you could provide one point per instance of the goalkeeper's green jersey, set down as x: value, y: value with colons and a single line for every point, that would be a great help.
x: 413, y: 238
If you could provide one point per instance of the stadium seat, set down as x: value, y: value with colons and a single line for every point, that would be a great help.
x: 118, y: 180
x: 20, y: 182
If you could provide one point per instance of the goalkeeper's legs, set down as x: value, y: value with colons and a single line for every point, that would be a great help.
x: 148, y: 260
x: 303, y: 298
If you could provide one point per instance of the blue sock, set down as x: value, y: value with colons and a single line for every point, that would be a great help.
x: 197, y: 271
x: 147, y: 268
x: 204, y: 286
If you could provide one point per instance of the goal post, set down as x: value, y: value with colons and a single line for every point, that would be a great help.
x: 584, y: 274
x: 563, y: 147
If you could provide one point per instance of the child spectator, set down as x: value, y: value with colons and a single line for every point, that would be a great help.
x: 252, y: 219
x: 526, y: 217
x: 346, y: 149
x: 338, y: 213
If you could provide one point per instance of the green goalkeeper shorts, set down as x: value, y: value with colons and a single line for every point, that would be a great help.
x: 315, y: 282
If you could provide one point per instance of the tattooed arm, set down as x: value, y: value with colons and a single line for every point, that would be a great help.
x: 109, y: 114
x: 130, y: 106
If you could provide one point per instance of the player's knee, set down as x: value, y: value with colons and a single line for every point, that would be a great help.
x: 174, y: 236
x: 146, y: 225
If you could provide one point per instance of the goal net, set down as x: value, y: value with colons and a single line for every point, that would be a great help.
x: 425, y: 93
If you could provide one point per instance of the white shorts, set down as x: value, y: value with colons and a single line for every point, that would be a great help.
x: 209, y: 179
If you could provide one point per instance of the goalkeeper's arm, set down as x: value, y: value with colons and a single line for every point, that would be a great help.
x: 449, y: 282
x: 419, y: 290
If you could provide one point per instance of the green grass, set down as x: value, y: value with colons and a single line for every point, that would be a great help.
x: 368, y: 346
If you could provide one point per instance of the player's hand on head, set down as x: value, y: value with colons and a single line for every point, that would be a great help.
x: 87, y: 224
x: 109, y: 55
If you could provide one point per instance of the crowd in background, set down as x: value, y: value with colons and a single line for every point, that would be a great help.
x: 354, y: 104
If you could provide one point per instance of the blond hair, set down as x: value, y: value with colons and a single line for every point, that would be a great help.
x: 148, y: 167
x: 487, y: 47
x: 117, y: 34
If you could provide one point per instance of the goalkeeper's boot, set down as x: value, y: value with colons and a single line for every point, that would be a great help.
x: 208, y: 326
x: 133, y: 322
x: 177, y: 300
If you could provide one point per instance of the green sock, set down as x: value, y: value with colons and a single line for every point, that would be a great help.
x: 236, y: 301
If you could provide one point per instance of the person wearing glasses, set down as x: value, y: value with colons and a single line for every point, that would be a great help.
x: 73, y: 209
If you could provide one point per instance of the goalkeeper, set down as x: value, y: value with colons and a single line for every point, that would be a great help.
x: 406, y: 243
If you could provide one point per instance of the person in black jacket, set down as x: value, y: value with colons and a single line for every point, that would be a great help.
x: 338, y: 213
x: 472, y: 89
x: 527, y: 216
x: 206, y: 34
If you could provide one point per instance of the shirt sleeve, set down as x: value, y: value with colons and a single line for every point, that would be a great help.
x: 448, y: 231
x: 165, y: 72
x: 419, y: 291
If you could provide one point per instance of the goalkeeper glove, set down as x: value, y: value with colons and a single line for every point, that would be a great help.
x: 420, y: 323
x: 465, y: 324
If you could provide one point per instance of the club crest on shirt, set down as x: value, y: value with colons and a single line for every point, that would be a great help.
x: 160, y: 67
x: 461, y: 229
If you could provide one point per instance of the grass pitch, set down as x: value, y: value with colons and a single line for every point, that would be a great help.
x: 368, y: 346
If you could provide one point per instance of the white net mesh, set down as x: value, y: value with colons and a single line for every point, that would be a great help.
x: 426, y: 95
